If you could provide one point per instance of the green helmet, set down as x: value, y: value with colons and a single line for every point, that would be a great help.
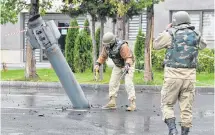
x: 109, y: 38
x: 180, y: 17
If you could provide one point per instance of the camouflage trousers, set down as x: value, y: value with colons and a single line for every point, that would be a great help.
x: 115, y: 82
x: 182, y: 90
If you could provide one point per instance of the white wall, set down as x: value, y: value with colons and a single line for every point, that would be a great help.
x: 11, y: 56
x: 162, y: 10
x: 14, y: 39
x: 12, y: 42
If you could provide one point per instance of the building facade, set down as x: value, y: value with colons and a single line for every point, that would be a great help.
x: 13, y: 39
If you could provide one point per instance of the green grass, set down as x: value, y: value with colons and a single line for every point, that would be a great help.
x: 48, y: 75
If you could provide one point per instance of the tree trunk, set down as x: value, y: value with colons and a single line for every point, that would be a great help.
x: 114, y: 28
x: 124, y: 29
x: 30, y: 68
x: 120, y: 27
x: 94, y: 40
x: 94, y: 43
x: 29, y: 56
x: 148, y: 42
x: 100, y: 48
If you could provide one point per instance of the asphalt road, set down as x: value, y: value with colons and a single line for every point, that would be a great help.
x: 49, y: 112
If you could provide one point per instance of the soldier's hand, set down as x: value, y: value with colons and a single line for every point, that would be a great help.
x: 169, y: 26
x: 127, y: 67
x: 96, y: 67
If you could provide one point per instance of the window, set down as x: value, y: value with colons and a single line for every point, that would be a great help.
x: 208, y: 28
x: 135, y: 24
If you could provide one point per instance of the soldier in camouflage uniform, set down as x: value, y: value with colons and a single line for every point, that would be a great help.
x: 182, y: 42
x: 123, y: 59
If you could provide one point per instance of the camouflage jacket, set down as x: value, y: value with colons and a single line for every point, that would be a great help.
x: 182, y: 43
x: 183, y: 51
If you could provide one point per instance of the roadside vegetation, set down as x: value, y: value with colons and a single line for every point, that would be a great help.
x: 48, y: 75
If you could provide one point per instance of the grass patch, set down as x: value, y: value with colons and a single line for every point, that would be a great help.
x: 48, y: 75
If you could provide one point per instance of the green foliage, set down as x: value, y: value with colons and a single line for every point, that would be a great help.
x: 97, y: 47
x: 112, y: 6
x: 124, y: 8
x: 49, y: 75
x: 10, y: 9
x: 104, y: 10
x: 44, y: 6
x: 70, y: 43
x: 158, y: 58
x: 83, y: 52
x: 98, y: 9
x: 206, y: 61
x: 87, y: 26
x: 73, y: 8
x: 139, y: 50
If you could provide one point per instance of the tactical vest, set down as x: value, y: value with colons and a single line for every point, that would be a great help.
x: 183, y: 51
x: 114, y: 53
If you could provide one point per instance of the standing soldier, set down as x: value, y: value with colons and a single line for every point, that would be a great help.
x: 123, y: 58
x: 182, y: 43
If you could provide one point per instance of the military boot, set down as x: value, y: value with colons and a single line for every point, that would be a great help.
x: 132, y: 106
x: 111, y: 104
x: 184, y: 130
x: 171, y: 125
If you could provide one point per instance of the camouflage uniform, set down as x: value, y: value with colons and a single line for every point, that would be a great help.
x: 182, y: 43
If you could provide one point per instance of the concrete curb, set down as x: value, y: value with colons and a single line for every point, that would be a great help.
x: 57, y: 85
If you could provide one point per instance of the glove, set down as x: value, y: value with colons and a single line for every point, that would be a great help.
x: 127, y: 67
x: 96, y: 67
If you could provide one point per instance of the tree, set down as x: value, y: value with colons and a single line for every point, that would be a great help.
x: 88, y: 55
x: 103, y: 11
x: 9, y: 11
x: 148, y: 43
x: 76, y: 8
x: 97, y: 41
x: 87, y: 30
x: 83, y: 52
x: 120, y: 18
x: 122, y: 7
x: 99, y: 10
x: 11, y: 8
x: 148, y: 75
x: 70, y: 43
x: 139, y: 50
x: 86, y: 26
x: 98, y: 45
x: 30, y: 65
x: 91, y: 6
x: 126, y: 9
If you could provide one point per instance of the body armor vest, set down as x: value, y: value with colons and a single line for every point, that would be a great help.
x: 114, y: 53
x: 183, y: 52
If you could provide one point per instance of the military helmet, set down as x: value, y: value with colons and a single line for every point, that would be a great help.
x: 180, y: 17
x: 108, y: 38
